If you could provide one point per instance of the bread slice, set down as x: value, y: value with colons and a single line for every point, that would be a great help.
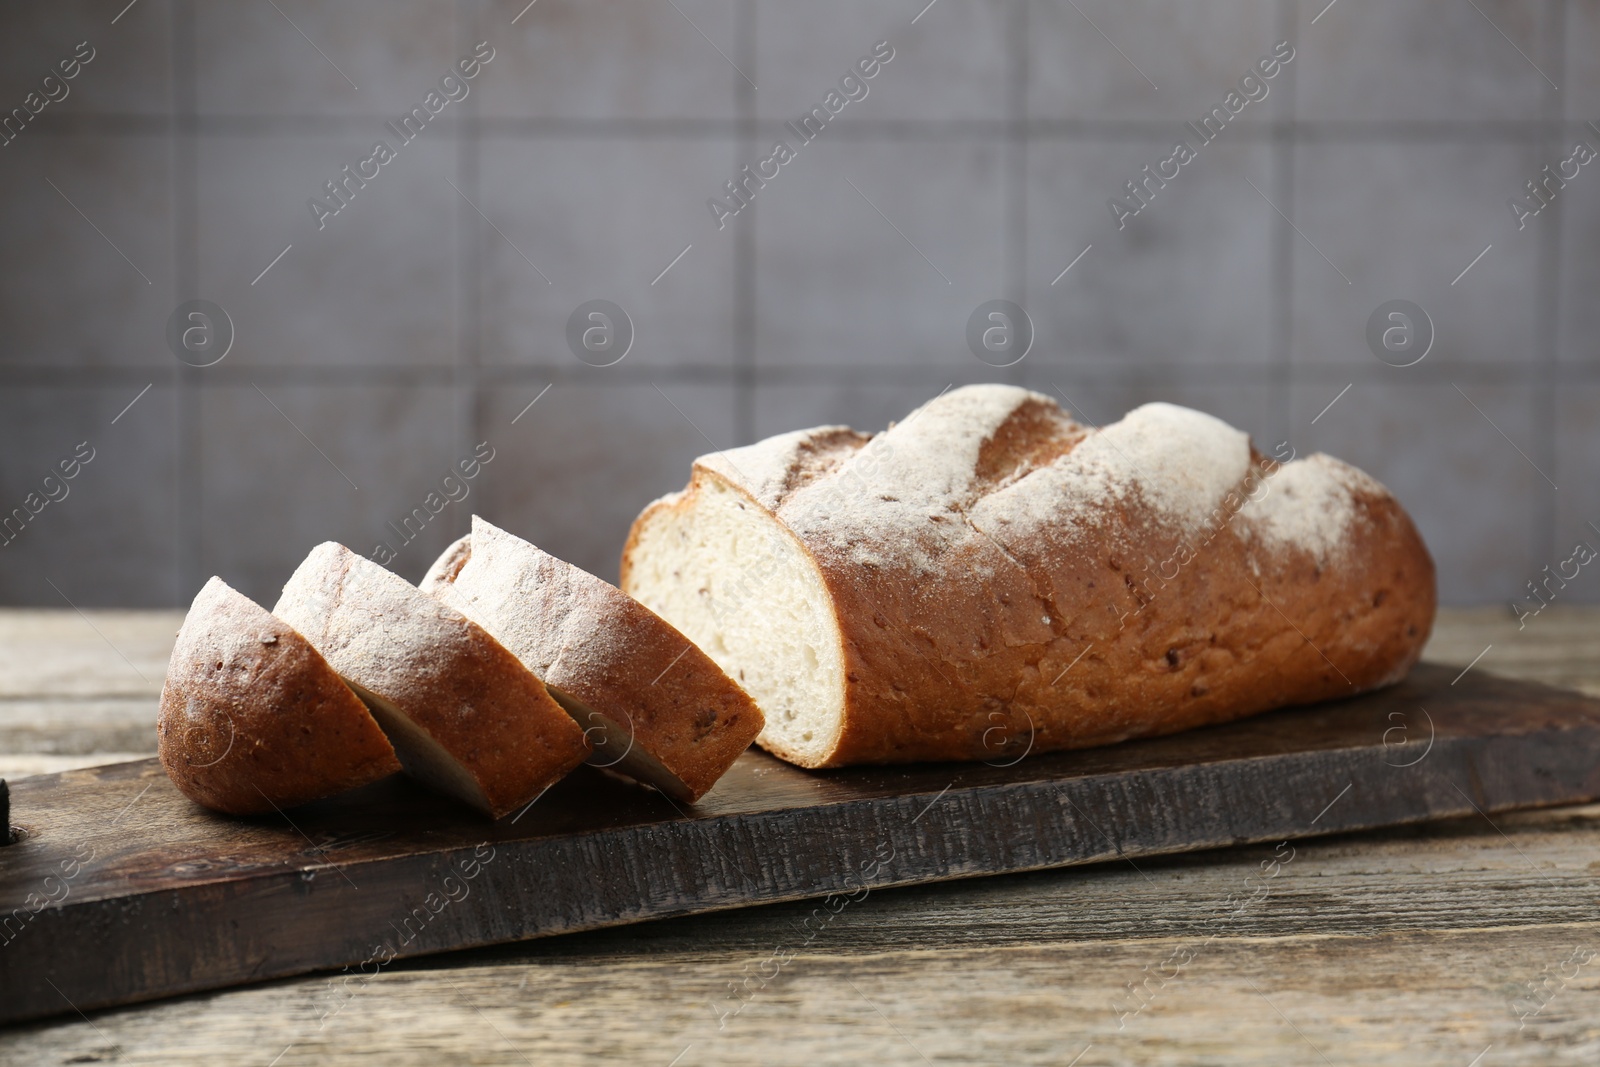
x: 464, y: 715
x: 657, y: 708
x: 989, y: 577
x: 252, y: 717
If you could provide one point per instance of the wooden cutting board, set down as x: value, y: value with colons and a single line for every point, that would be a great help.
x: 121, y: 890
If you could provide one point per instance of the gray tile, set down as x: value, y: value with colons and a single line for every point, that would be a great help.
x: 327, y: 463
x: 130, y: 63
x: 603, y: 219
x: 1150, y: 59
x: 1581, y: 91
x: 112, y: 539
x: 1426, y: 59
x: 842, y: 285
x: 375, y: 285
x: 251, y: 58
x: 1402, y: 221
x: 574, y: 471
x: 73, y: 296
x: 1186, y: 281
x: 953, y: 64
x: 567, y: 59
x: 1472, y: 496
x: 1577, y: 471
x: 1246, y: 406
x: 868, y: 407
x: 872, y: 407
x: 1576, y: 221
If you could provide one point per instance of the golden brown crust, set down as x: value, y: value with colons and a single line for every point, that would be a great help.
x: 1234, y: 633
x: 1036, y: 638
x: 592, y: 642
x: 253, y: 719
x: 448, y: 676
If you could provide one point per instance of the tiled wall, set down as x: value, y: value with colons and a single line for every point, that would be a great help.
x: 425, y: 316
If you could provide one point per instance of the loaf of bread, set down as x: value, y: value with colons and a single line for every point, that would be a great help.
x: 254, y: 719
x: 464, y: 715
x: 988, y: 578
x: 655, y: 707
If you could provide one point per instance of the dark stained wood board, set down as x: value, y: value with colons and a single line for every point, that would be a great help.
x: 165, y: 898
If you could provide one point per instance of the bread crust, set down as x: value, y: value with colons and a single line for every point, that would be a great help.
x: 253, y: 719
x: 594, y: 644
x: 968, y: 638
x: 449, y: 676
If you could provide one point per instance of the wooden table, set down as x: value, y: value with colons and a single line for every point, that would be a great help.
x: 1462, y: 943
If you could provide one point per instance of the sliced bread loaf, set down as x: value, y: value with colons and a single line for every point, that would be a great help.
x: 654, y: 705
x: 464, y: 715
x: 988, y: 577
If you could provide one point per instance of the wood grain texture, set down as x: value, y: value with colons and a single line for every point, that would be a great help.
x: 158, y: 896
x: 1377, y: 947
x: 1395, y: 946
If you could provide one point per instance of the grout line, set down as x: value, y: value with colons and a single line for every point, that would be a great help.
x: 188, y: 428
x: 1513, y: 44
x: 497, y: 229
x: 309, y: 441
x: 1547, y: 341
x: 1299, y: 231
x: 861, y: 128
x: 1113, y: 44
x: 713, y: 44
x: 1015, y: 222
x: 471, y: 401
x: 899, y: 231
x: 746, y: 358
x: 313, y: 44
x: 1094, y: 375
x: 1285, y: 143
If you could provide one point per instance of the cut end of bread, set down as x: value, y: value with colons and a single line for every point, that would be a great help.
x: 720, y: 568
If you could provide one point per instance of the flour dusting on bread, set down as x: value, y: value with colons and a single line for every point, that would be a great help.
x: 988, y: 568
x: 1311, y: 505
x: 901, y: 499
